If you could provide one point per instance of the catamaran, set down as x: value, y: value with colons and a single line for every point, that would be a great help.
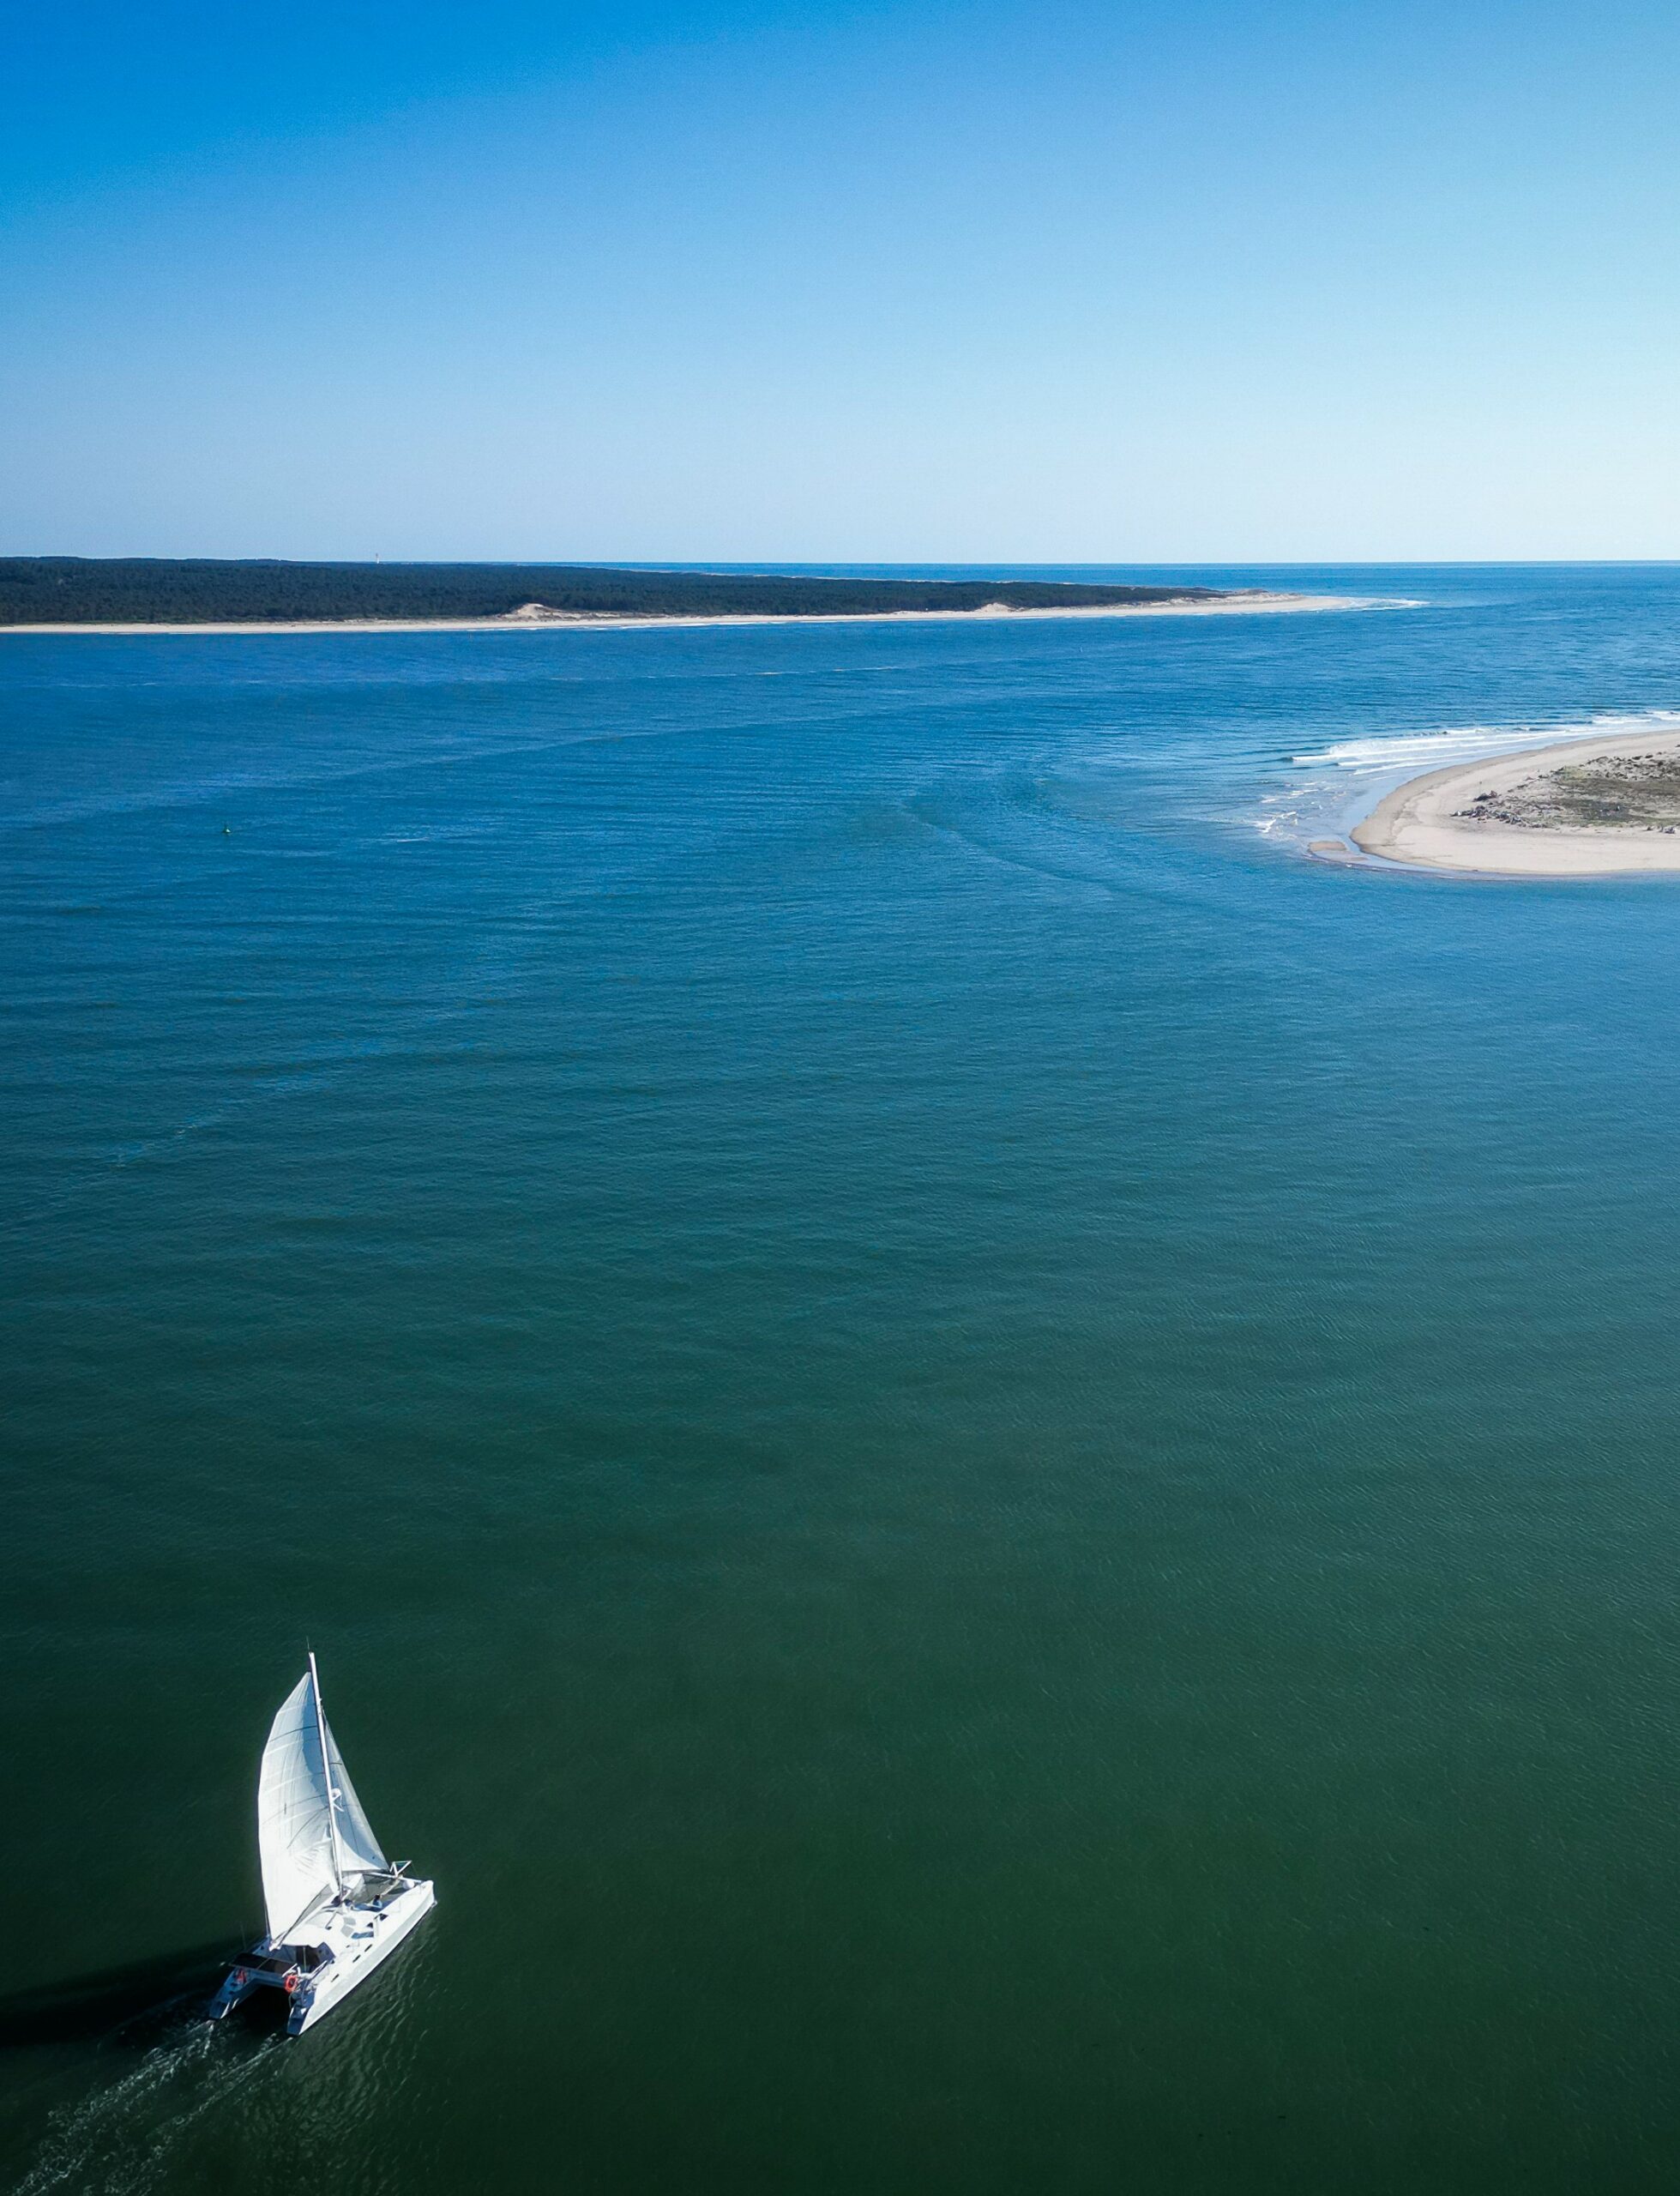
x: 336, y: 1905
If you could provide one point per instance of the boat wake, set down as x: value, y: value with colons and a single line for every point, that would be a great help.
x: 1333, y: 786
x: 119, y: 2141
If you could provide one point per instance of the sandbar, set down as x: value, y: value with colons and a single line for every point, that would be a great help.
x: 1590, y: 806
x: 1244, y: 603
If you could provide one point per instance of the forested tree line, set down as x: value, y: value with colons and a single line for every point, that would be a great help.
x: 203, y: 591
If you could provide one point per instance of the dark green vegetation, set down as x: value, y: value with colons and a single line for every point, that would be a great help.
x: 1634, y: 792
x: 203, y: 591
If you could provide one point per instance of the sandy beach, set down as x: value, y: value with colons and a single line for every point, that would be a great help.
x: 1545, y: 811
x: 1236, y: 605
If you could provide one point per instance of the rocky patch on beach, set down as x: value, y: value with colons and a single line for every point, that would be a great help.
x: 1619, y: 793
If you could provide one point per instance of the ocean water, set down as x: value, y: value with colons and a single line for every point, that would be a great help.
x: 989, y: 1469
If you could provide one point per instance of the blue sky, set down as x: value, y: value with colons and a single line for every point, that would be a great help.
x: 970, y: 281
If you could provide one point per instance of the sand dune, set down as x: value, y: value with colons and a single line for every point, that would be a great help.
x: 1586, y: 807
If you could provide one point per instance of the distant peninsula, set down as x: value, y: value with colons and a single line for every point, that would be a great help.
x: 208, y: 594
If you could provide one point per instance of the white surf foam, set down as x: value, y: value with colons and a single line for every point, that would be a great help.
x: 1425, y: 751
x: 1340, y: 782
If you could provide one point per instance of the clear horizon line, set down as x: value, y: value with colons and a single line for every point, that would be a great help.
x: 911, y: 563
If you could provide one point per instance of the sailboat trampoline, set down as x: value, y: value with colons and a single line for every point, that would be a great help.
x: 336, y: 1906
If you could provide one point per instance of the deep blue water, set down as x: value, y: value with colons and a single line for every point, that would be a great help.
x: 988, y: 1468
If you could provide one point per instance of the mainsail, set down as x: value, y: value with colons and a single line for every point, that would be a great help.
x: 301, y: 1798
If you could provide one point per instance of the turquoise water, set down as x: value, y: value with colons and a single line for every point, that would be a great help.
x: 987, y: 1468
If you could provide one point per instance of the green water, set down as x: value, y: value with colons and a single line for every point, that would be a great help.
x: 987, y: 1470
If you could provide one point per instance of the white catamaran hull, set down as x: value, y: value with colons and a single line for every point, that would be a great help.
x: 331, y: 1985
x: 346, y: 1944
x: 362, y: 1952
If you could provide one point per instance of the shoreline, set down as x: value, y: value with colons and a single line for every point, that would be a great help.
x: 1248, y: 603
x: 1419, y: 825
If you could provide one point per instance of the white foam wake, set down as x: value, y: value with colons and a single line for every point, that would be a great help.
x: 118, y: 2140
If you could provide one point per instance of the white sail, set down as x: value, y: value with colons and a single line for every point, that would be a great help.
x: 299, y: 1794
x: 359, y: 1849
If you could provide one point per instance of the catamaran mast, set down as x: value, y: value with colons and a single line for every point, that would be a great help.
x: 327, y: 1773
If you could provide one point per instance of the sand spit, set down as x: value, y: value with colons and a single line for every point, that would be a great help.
x: 535, y: 617
x: 1584, y: 807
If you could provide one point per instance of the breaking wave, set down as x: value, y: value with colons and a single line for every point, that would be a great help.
x: 1338, y: 784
